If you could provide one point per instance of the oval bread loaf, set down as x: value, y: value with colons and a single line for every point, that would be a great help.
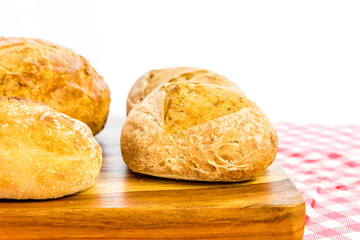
x: 155, y: 78
x: 198, y: 131
x: 56, y: 76
x: 44, y: 154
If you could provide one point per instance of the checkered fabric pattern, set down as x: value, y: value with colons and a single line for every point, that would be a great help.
x: 324, y: 164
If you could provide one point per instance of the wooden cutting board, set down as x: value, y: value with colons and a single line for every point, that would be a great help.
x: 126, y: 205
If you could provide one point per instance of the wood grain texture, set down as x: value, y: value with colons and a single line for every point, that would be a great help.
x: 125, y: 205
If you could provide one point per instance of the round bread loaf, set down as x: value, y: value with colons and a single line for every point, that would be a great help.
x: 44, y: 154
x: 197, y: 131
x: 56, y: 76
x: 155, y: 78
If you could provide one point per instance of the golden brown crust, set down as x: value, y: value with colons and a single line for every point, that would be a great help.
x: 44, y: 154
x: 188, y: 104
x: 56, y: 76
x: 232, y: 147
x: 155, y: 78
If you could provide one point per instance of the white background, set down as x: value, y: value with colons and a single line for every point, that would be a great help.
x: 299, y: 60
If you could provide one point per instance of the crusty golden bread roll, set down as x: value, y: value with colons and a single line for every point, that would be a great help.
x: 155, y: 78
x: 198, y: 131
x: 56, y: 76
x: 44, y: 154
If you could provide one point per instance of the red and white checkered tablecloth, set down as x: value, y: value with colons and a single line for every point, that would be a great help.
x: 323, y: 161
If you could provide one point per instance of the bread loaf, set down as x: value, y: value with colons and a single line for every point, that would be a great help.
x: 44, y: 154
x: 155, y: 78
x: 198, y: 131
x: 56, y: 76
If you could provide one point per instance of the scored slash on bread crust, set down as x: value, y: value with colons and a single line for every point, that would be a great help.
x: 155, y: 78
x: 190, y: 104
x: 44, y: 154
x: 224, y: 146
